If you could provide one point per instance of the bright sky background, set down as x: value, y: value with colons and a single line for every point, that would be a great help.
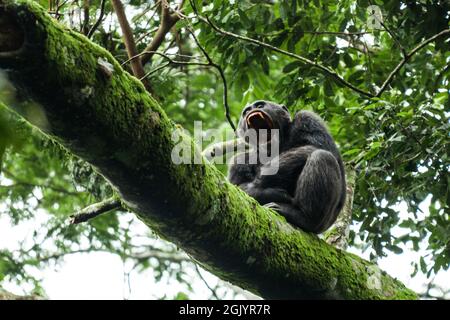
x: 102, y: 275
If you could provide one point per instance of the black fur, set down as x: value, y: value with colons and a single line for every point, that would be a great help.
x: 309, y: 187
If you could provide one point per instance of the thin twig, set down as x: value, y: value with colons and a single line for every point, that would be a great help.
x: 86, y: 15
x: 130, y: 44
x: 160, y: 255
x: 146, y: 34
x: 144, y: 12
x: 407, y: 57
x: 55, y: 189
x: 185, y: 63
x: 58, y: 7
x: 164, y: 55
x: 394, y: 37
x: 367, y: 54
x: 95, y: 210
x: 326, y: 70
x: 57, y: 256
x: 168, y: 20
x: 332, y: 33
x: 99, y: 20
x: 210, y: 63
x: 20, y: 182
x: 222, y: 75
x: 213, y: 291
x: 155, y: 70
x: 180, y: 5
x: 178, y: 62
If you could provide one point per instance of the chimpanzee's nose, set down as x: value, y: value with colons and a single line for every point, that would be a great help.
x: 259, y: 104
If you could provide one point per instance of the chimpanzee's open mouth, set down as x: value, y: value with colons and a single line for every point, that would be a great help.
x: 258, y: 119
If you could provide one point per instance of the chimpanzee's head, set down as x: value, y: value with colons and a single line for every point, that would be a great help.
x: 264, y: 115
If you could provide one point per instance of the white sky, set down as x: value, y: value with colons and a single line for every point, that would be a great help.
x: 102, y: 275
x: 96, y: 275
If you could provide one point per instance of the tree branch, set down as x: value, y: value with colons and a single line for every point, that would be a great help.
x: 20, y: 182
x: 138, y: 40
x: 220, y: 150
x: 86, y: 7
x: 222, y: 76
x: 136, y: 65
x: 337, y: 236
x: 94, y: 210
x: 324, y: 69
x: 210, y: 63
x: 405, y: 59
x: 331, y: 33
x: 213, y: 291
x: 169, y: 59
x: 99, y: 20
x: 161, y: 255
x: 151, y: 7
x: 394, y: 37
x: 168, y: 20
x: 440, y: 76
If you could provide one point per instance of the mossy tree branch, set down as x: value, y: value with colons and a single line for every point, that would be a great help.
x: 112, y: 122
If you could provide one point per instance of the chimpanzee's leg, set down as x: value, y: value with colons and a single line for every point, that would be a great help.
x: 319, y: 190
x: 314, y: 206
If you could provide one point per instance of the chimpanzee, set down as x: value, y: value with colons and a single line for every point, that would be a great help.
x: 309, y: 187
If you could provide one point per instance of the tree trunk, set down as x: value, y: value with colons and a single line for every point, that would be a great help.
x: 78, y: 95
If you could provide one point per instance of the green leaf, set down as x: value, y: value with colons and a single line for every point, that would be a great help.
x: 356, y: 76
x: 348, y: 60
x: 181, y: 296
x: 292, y: 66
x: 396, y: 249
x: 284, y: 10
x: 244, y: 19
x: 351, y: 151
x: 423, y: 265
x: 328, y: 88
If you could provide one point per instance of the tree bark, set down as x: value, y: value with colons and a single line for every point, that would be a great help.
x: 5, y: 295
x: 82, y: 99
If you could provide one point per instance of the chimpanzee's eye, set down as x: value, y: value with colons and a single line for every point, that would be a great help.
x: 246, y: 110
